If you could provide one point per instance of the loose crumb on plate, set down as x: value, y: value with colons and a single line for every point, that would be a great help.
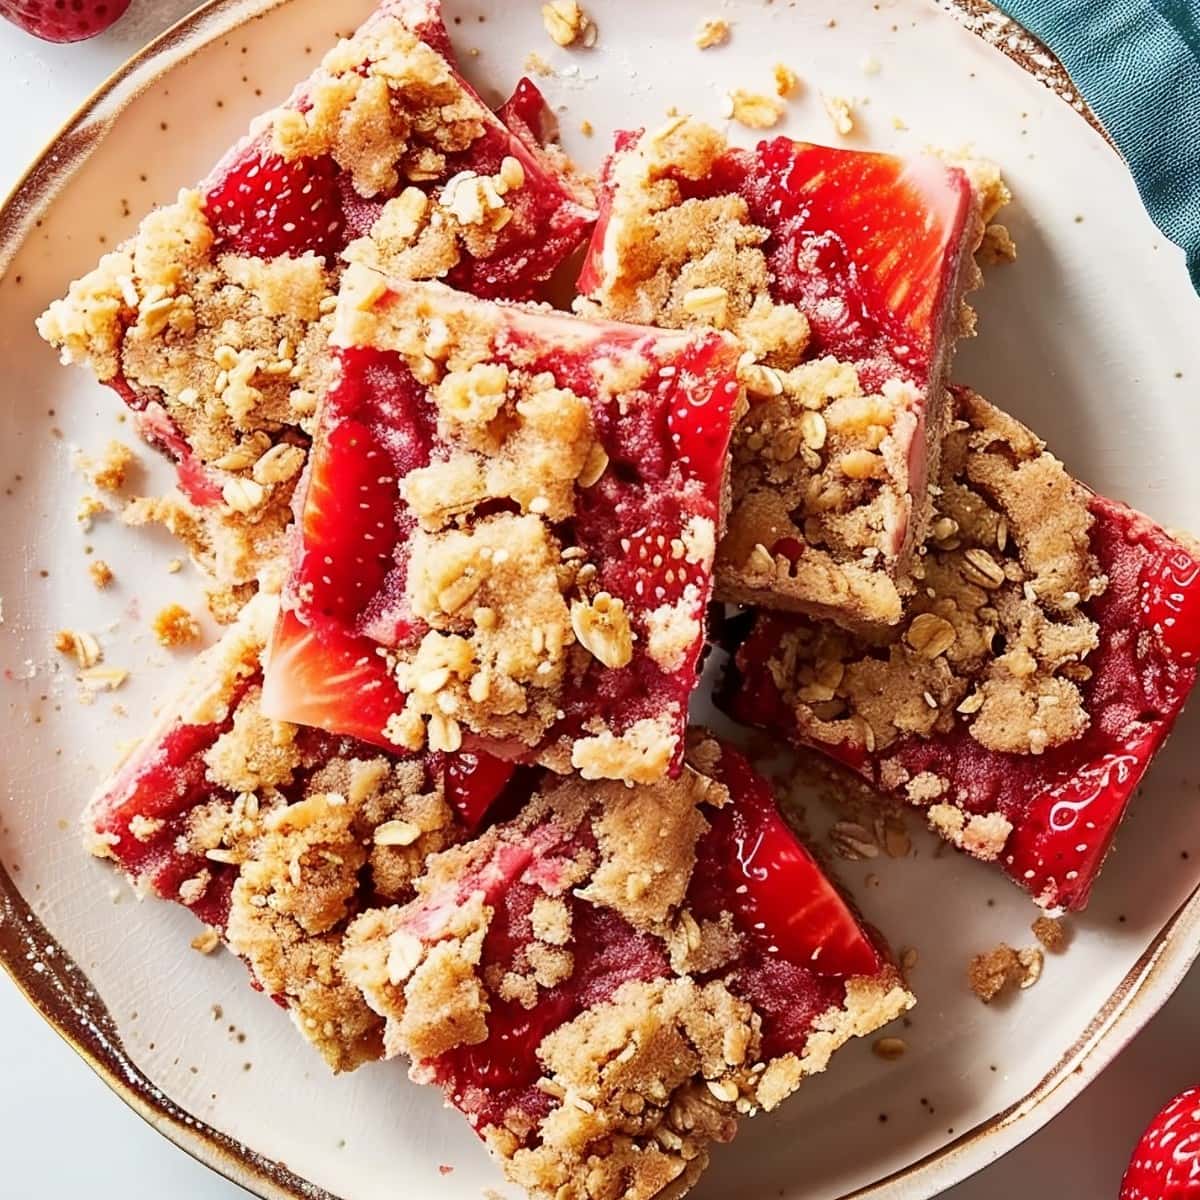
x: 174, y: 625
x: 109, y: 469
x: 754, y: 110
x: 841, y: 113
x: 79, y: 645
x: 207, y: 941
x: 996, y: 971
x: 889, y: 1048
x: 1051, y: 932
x: 787, y: 82
x: 535, y: 64
x: 101, y: 573
x: 712, y: 32
x: 567, y: 23
x: 586, y: 128
x: 89, y: 507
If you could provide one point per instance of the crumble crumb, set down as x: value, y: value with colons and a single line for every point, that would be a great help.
x: 79, y: 645
x: 841, y: 113
x: 889, y: 1048
x: 712, y: 32
x: 1051, y: 932
x: 535, y: 64
x: 207, y: 941
x: 109, y: 469
x: 787, y: 82
x: 997, y: 246
x: 754, y: 110
x: 225, y: 603
x: 174, y: 625
x: 101, y: 573
x: 567, y: 23
x: 89, y: 507
x: 586, y: 128
x: 994, y: 971
x: 174, y: 566
x: 870, y: 65
x: 102, y: 679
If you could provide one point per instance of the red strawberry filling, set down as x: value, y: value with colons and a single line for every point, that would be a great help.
x: 797, y: 941
x: 1063, y: 802
x: 626, y: 530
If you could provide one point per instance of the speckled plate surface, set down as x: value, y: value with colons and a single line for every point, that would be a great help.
x: 1090, y: 337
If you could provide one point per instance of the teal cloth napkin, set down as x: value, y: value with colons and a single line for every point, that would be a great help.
x: 1137, y: 63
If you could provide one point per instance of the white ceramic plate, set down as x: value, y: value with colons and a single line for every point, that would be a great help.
x: 1090, y: 337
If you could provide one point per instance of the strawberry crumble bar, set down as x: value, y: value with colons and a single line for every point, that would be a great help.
x: 509, y: 529
x: 843, y: 274
x: 606, y: 983
x: 1044, y: 658
x: 211, y: 322
x: 276, y: 835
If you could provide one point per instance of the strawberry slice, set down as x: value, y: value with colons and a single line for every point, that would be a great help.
x: 473, y: 782
x: 328, y: 680
x: 774, y: 886
x: 868, y: 245
x: 263, y: 206
x: 1165, y: 1164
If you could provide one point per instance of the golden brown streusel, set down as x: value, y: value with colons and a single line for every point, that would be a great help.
x: 174, y: 626
x: 713, y: 31
x: 1051, y: 932
x: 993, y: 972
x: 101, y: 573
x: 107, y: 470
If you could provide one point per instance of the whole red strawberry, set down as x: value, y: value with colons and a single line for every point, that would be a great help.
x: 1166, y: 1163
x: 63, y: 20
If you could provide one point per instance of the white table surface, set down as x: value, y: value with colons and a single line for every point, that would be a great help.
x: 63, y: 1134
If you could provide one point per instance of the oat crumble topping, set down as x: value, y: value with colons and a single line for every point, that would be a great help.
x: 107, y: 471
x: 754, y: 110
x: 840, y: 111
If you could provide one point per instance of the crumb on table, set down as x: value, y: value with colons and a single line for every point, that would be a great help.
x: 712, y: 32
x: 101, y: 573
x: 174, y: 625
x: 754, y: 110
x: 787, y: 82
x: 996, y: 971
x: 79, y: 645
x: 567, y: 23
x: 109, y: 469
x: 206, y: 941
x: 841, y: 113
x: 1051, y: 932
